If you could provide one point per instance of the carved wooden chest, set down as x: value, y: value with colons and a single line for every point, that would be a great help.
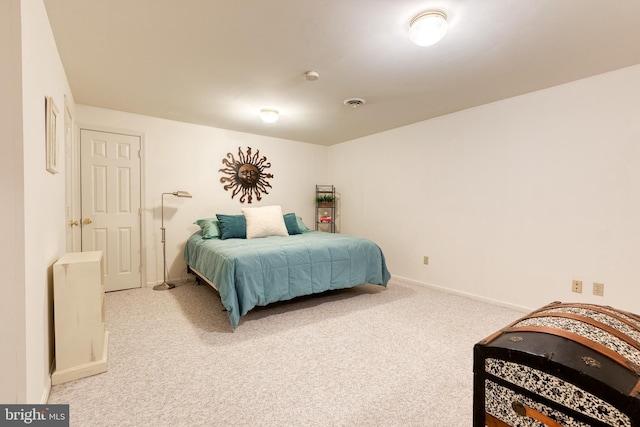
x: 562, y: 365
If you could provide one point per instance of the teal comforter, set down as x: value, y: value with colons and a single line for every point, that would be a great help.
x: 256, y: 272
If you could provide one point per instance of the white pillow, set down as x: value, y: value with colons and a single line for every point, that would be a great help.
x: 264, y: 221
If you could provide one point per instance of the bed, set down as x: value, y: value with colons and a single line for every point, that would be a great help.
x: 251, y: 272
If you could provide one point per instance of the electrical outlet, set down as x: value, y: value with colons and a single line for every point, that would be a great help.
x: 598, y: 289
x: 426, y: 260
x: 576, y: 286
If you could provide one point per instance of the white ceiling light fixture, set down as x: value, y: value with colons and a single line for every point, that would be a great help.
x: 311, y: 76
x: 428, y: 28
x: 269, y: 115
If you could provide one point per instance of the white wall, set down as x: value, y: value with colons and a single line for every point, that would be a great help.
x: 12, y: 322
x: 44, y: 231
x: 33, y: 236
x: 511, y: 200
x: 181, y: 156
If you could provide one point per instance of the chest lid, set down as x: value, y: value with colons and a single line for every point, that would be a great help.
x: 597, y: 340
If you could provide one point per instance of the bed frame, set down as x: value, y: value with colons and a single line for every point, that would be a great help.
x: 200, y: 277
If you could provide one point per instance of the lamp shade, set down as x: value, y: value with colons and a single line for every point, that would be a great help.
x: 182, y: 194
x: 428, y: 28
x: 269, y: 115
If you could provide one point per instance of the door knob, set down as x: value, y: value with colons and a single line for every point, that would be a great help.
x: 87, y: 221
x: 72, y: 223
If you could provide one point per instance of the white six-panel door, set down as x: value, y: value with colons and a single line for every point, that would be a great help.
x: 110, y: 183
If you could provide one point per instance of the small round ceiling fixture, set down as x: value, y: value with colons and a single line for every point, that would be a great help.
x: 428, y: 28
x: 354, y: 102
x: 269, y: 115
x: 311, y: 76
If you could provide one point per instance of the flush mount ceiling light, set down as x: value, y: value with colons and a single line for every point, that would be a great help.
x: 311, y: 76
x: 428, y: 28
x: 269, y: 115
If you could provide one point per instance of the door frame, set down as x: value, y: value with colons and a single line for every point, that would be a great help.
x: 72, y: 181
x: 77, y: 202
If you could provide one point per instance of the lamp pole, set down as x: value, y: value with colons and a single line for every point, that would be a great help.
x: 166, y: 285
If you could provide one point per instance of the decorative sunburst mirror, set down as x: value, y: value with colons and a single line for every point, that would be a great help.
x: 246, y: 176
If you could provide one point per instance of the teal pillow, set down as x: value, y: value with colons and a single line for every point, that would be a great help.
x: 291, y: 222
x: 303, y: 228
x: 210, y: 228
x: 232, y: 226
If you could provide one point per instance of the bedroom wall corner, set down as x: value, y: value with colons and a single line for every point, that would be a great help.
x: 510, y: 200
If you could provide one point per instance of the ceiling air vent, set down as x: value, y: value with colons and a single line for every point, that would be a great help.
x: 354, y: 102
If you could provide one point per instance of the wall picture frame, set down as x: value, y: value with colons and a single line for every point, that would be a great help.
x: 51, y: 126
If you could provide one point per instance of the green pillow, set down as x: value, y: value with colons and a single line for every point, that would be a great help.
x: 210, y: 228
x: 303, y: 228
x: 291, y: 222
x: 232, y: 226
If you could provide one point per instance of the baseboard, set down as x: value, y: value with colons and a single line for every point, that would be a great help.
x: 45, y: 393
x: 47, y: 385
x: 185, y: 278
x: 466, y: 295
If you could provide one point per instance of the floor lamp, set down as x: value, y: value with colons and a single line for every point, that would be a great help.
x: 166, y: 285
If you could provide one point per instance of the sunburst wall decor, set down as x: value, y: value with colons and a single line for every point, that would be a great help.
x: 246, y: 176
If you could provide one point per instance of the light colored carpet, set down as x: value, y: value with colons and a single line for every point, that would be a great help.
x: 368, y: 356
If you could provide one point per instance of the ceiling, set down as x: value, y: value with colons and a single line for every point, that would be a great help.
x: 218, y: 62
